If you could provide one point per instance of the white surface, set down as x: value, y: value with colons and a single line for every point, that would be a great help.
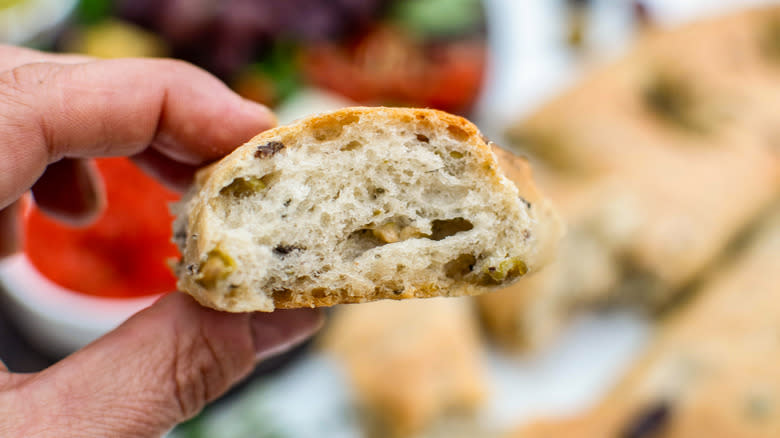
x: 571, y: 375
x: 27, y: 20
x: 56, y: 319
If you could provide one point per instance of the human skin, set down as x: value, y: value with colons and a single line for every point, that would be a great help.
x: 165, y: 363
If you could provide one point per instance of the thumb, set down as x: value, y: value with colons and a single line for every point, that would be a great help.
x: 159, y: 368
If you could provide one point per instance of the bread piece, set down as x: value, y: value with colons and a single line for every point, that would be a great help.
x: 689, y: 122
x: 413, y: 365
x: 602, y: 220
x: 701, y: 172
x: 688, y: 125
x: 712, y: 370
x: 357, y: 205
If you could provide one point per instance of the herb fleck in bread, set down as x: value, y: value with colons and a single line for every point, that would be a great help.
x: 358, y: 205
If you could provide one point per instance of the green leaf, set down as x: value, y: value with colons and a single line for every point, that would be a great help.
x: 438, y: 17
x: 280, y: 65
x: 191, y: 429
x: 94, y: 11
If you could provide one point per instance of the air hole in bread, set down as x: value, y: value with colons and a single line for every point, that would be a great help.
x: 331, y: 129
x: 460, y: 266
x: 283, y: 250
x: 423, y: 138
x: 244, y: 186
x: 377, y: 192
x: 281, y: 295
x: 360, y: 241
x: 351, y: 146
x: 327, y: 133
x: 395, y: 230
x: 441, y: 229
x: 458, y: 133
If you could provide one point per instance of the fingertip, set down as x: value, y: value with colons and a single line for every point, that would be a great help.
x: 217, y: 122
x: 280, y: 331
x: 264, y: 118
x: 173, y: 174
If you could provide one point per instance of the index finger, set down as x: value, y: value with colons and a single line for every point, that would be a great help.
x: 118, y: 107
x: 12, y: 56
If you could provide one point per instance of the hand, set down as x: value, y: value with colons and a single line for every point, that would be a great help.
x: 165, y: 363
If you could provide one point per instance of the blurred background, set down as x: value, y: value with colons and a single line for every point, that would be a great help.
x: 653, y: 125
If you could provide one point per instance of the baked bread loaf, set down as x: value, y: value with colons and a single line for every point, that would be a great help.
x: 414, y: 366
x: 712, y: 370
x: 690, y: 130
x: 601, y: 221
x: 687, y: 125
x: 358, y: 205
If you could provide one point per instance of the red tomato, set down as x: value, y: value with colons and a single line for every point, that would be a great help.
x: 385, y: 66
x: 124, y: 253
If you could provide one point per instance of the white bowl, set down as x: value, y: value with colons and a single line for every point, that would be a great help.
x: 56, y: 320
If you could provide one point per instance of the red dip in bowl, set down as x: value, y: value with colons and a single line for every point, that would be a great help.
x: 122, y: 254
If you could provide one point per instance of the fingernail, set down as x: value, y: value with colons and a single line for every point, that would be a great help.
x: 277, y: 332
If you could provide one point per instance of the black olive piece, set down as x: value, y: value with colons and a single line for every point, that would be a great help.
x: 525, y: 201
x: 283, y: 250
x: 269, y: 149
x: 650, y: 423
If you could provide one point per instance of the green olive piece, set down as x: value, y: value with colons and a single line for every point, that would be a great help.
x: 243, y: 187
x: 217, y: 266
x: 506, y: 270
